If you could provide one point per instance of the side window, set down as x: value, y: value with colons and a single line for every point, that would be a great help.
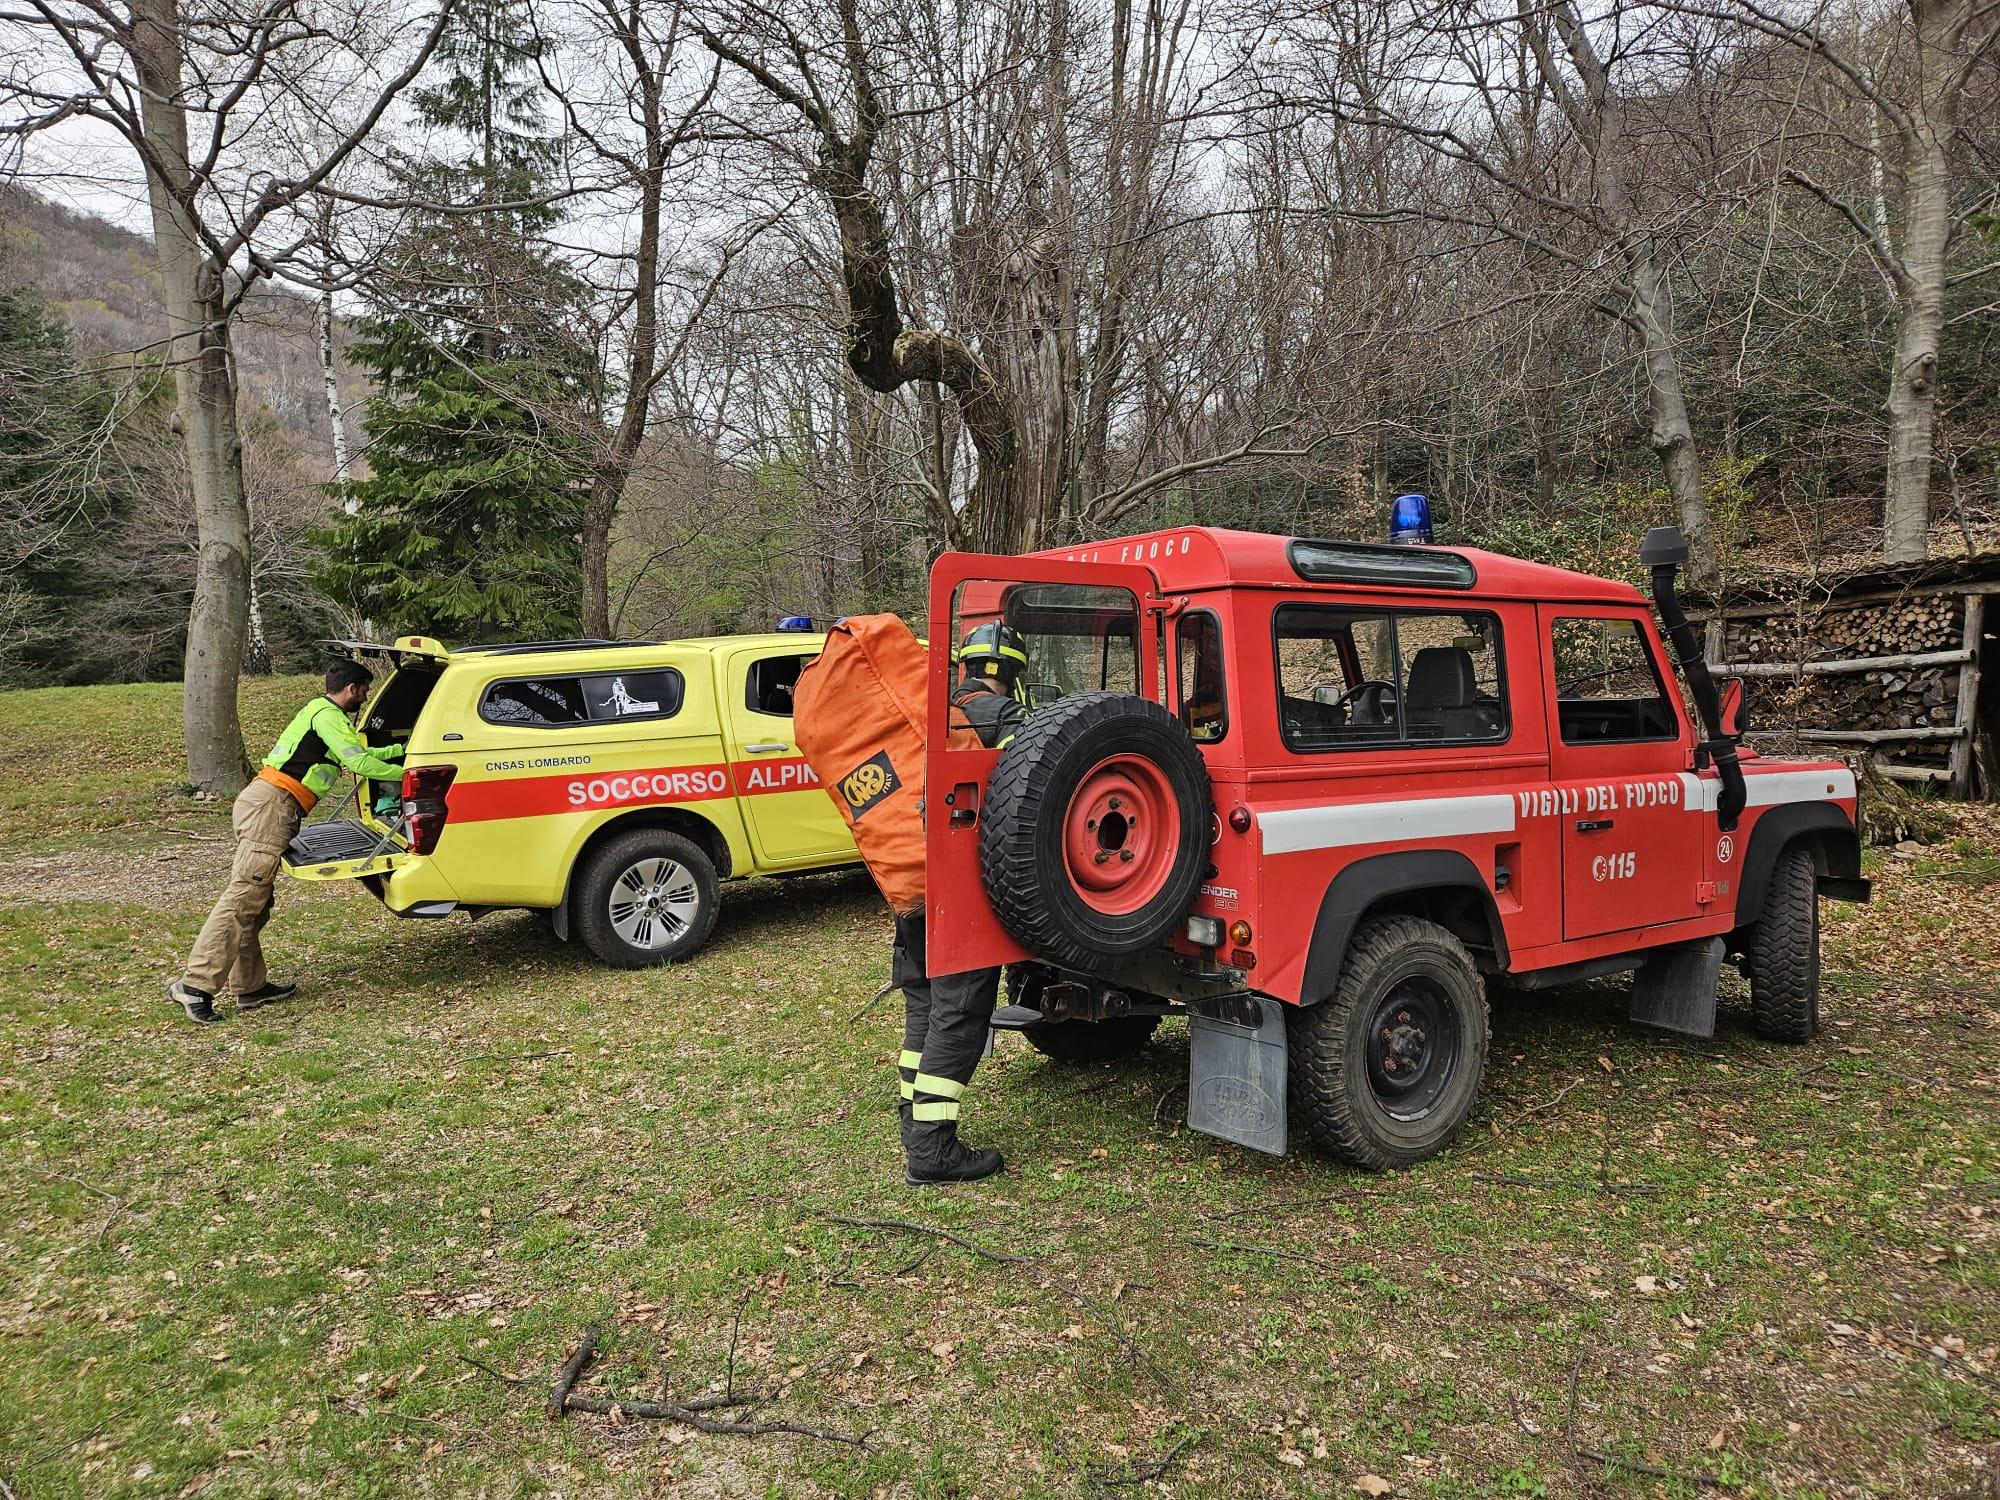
x: 1336, y: 678
x: 1350, y: 678
x: 559, y: 702
x: 1204, y: 709
x: 1451, y: 677
x: 546, y: 702
x: 1079, y: 639
x: 634, y: 695
x: 771, y: 683
x: 1608, y: 688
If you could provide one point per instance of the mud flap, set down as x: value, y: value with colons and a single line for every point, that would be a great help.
x: 1236, y: 1076
x: 1675, y: 988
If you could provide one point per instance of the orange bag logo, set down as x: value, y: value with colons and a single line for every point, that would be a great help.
x: 869, y: 782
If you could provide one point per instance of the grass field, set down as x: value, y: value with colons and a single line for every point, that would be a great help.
x: 345, y: 1246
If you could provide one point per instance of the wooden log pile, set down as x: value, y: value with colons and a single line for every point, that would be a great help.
x: 1885, y: 673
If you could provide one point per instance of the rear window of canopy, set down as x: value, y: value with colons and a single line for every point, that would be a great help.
x: 1394, y: 567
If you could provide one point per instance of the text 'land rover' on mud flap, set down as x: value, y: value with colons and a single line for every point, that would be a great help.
x: 1313, y: 794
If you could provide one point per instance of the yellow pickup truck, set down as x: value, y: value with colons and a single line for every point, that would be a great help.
x: 613, y: 784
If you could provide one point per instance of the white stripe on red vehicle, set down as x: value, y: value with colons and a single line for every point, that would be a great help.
x: 1770, y: 788
x: 1341, y: 824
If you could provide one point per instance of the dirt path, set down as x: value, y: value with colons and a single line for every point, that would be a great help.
x: 168, y: 876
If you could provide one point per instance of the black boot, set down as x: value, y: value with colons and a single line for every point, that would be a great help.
x: 934, y: 1153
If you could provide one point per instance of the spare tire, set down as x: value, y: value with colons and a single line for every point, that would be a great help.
x: 1095, y: 830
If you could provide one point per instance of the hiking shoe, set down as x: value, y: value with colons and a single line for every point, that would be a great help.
x: 937, y: 1155
x: 266, y: 994
x: 199, y: 1004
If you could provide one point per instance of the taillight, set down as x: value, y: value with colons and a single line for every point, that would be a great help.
x: 424, y: 810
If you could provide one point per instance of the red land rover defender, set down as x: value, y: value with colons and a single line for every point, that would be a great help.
x: 1309, y: 793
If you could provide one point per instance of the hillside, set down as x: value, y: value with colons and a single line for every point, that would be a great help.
x: 100, y: 277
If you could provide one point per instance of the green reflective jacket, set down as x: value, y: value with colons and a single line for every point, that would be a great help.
x: 320, y: 743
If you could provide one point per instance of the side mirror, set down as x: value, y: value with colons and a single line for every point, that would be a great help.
x: 1042, y: 694
x: 1734, y: 723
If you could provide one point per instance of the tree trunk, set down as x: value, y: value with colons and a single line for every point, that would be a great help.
x: 600, y: 508
x: 1029, y: 359
x: 192, y: 292
x: 1671, y: 434
x: 330, y: 374
x: 995, y: 502
x: 1598, y: 122
x: 257, y: 649
x: 1926, y: 143
x: 621, y: 452
x: 1913, y: 377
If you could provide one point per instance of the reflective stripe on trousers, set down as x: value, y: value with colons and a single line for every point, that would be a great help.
x: 944, y: 1026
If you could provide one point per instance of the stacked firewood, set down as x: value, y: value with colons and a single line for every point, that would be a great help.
x: 1890, y: 697
x: 1917, y: 623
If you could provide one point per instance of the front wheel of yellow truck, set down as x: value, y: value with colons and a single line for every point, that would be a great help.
x: 645, y: 897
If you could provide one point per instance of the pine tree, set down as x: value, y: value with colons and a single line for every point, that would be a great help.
x: 467, y: 526
x: 54, y: 417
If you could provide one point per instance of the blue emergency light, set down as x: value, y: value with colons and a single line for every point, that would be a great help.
x: 1410, y: 519
x: 796, y: 622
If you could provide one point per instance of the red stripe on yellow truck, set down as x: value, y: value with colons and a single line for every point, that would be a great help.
x: 542, y: 796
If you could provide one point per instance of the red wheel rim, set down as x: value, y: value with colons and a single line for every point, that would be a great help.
x: 1121, y: 834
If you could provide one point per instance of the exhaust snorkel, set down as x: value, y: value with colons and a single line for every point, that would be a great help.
x: 1662, y: 553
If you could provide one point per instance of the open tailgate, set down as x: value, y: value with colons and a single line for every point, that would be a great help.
x: 344, y: 849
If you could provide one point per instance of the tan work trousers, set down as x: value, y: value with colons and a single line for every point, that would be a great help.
x: 229, y: 954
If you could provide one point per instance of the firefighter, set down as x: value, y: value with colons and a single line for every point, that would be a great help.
x: 945, y: 1019
x: 302, y: 767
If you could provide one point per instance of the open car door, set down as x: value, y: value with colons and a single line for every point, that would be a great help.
x: 1089, y: 627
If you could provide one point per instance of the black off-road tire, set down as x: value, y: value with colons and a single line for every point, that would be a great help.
x: 645, y: 849
x: 1021, y: 838
x: 1782, y: 953
x: 1334, y: 1089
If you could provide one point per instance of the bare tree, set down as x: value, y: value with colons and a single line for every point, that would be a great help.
x: 1902, y: 124
x: 841, y: 107
x: 213, y: 99
x: 621, y: 106
x: 1539, y: 145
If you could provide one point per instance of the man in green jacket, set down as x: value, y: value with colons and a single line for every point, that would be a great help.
x: 319, y: 744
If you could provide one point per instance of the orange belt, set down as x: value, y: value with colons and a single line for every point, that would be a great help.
x: 304, y: 798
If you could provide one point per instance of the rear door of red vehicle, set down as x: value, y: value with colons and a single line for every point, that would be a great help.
x: 1089, y: 626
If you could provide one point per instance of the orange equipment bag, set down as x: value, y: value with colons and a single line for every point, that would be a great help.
x: 858, y: 713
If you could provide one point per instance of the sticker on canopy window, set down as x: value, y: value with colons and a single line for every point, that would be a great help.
x: 622, y: 702
x: 868, y: 783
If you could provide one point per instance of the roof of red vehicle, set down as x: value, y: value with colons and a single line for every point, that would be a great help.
x: 1186, y: 558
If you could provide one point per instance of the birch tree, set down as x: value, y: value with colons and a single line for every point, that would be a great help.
x: 1904, y: 80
